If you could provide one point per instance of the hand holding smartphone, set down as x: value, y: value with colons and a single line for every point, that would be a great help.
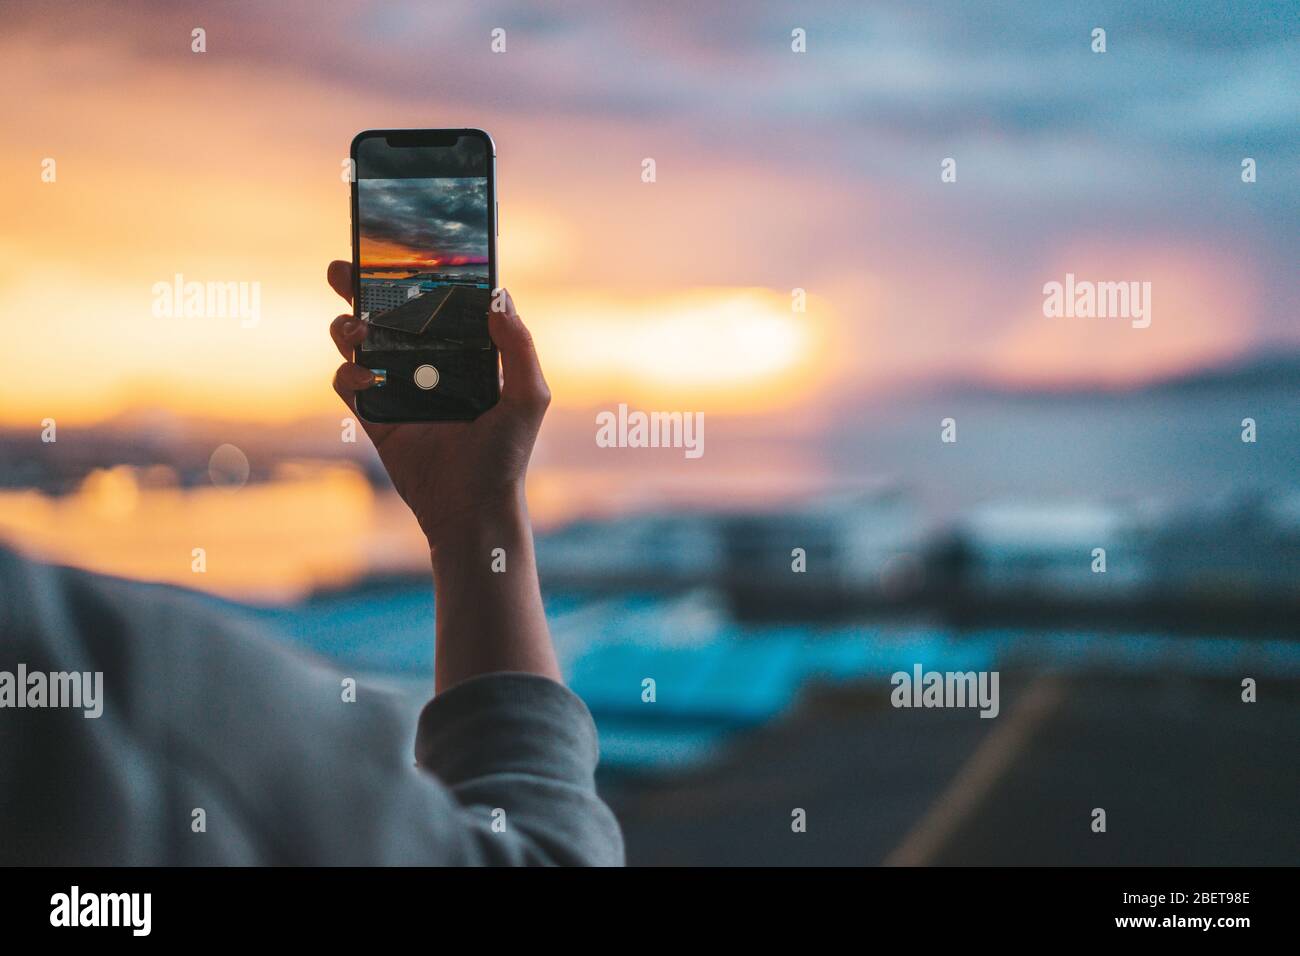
x: 420, y: 351
x: 425, y: 271
x: 456, y: 443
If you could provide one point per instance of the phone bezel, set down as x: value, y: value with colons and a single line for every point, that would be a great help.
x: 431, y: 138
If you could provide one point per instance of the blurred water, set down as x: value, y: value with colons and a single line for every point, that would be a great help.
x: 1178, y: 447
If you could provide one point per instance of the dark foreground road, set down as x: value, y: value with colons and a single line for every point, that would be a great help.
x: 1186, y: 772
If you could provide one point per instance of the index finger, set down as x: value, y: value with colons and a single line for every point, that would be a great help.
x: 340, y: 278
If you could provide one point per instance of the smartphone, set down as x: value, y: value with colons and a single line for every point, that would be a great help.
x: 424, y: 262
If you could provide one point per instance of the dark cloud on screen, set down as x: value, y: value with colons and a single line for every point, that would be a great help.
x: 445, y: 218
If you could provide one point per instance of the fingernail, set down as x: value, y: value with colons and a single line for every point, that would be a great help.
x: 349, y: 328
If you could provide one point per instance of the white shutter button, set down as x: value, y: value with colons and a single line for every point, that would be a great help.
x: 426, y: 377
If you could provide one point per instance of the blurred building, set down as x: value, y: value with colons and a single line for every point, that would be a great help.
x: 833, y: 556
x: 1242, y: 544
x: 809, y: 559
x: 1229, y: 565
x: 650, y: 551
x: 380, y: 295
x: 1076, y: 549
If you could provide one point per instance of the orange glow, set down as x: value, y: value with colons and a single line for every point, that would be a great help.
x: 379, y: 255
x: 310, y: 527
x: 140, y: 211
x: 727, y: 350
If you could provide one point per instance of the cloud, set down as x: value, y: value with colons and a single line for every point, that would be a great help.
x: 776, y: 170
x: 441, y: 218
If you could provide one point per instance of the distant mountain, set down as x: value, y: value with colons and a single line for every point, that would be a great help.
x: 1273, y: 370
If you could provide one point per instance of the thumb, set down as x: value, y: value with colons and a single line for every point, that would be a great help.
x: 521, y: 371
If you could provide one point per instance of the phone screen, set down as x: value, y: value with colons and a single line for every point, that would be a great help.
x: 426, y: 266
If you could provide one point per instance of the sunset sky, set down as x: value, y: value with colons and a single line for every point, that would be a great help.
x: 415, y: 224
x: 775, y: 171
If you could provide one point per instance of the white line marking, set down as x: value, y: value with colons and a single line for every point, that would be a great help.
x: 977, y: 776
